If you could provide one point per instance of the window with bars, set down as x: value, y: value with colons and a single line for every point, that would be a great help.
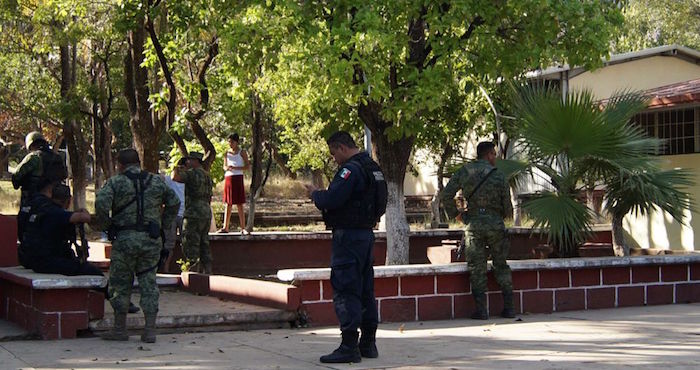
x: 679, y: 128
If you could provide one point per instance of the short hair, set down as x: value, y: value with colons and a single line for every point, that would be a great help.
x: 61, y: 193
x: 483, y: 148
x: 182, y: 161
x: 234, y: 137
x: 128, y: 156
x: 341, y: 138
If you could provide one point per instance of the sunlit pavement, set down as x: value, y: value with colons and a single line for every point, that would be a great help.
x: 652, y: 337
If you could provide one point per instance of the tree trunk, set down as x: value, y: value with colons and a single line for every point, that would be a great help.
x: 619, y: 245
x: 146, y: 132
x: 517, y: 210
x: 4, y: 159
x: 281, y: 163
x: 75, y: 142
x: 256, y: 157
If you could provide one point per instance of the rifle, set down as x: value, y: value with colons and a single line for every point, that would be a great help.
x: 461, y: 244
x: 83, y: 250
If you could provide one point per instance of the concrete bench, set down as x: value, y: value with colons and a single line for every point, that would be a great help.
x: 50, y: 306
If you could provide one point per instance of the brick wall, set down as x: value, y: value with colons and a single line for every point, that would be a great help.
x: 428, y: 292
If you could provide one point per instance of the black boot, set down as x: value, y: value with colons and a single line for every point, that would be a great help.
x: 368, y: 342
x: 481, y: 313
x: 347, y: 352
x: 133, y: 308
x: 149, y: 330
x: 508, y: 310
x: 118, y: 331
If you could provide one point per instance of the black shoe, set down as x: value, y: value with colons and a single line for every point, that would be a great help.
x: 133, y: 308
x: 480, y: 315
x: 343, y: 354
x: 369, y: 350
x: 508, y: 313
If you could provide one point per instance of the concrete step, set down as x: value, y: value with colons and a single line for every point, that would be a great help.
x: 181, y: 312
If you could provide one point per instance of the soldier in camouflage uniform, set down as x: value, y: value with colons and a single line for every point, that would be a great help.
x: 29, y: 171
x: 488, y: 202
x: 197, y: 218
x: 135, y: 199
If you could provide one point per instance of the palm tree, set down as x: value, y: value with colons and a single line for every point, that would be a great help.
x: 573, y: 142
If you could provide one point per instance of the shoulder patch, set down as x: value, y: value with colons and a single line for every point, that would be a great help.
x: 345, y: 173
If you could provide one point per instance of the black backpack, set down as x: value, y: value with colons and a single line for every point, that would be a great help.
x: 53, y: 166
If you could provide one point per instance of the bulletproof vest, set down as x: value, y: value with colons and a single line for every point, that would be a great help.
x: 364, y: 208
x: 34, y: 243
x: 141, y: 181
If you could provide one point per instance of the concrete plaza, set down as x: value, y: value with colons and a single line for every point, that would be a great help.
x: 651, y: 337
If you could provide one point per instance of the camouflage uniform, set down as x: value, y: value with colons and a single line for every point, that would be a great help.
x: 486, y: 209
x: 133, y: 251
x: 28, y: 175
x: 197, y: 217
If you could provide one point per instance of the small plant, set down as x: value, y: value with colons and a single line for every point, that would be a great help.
x: 184, y: 265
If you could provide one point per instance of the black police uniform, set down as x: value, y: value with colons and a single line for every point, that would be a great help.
x: 45, y: 245
x: 352, y: 276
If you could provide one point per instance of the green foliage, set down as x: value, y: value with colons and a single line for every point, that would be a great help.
x: 574, y: 143
x: 650, y: 23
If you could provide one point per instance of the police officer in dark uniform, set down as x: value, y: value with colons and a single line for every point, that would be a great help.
x: 49, y: 229
x: 349, y: 208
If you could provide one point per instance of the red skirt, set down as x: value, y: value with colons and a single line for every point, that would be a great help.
x: 234, y: 191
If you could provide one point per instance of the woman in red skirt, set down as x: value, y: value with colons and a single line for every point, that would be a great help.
x: 235, y: 162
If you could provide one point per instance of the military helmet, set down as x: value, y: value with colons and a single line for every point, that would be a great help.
x: 196, y: 155
x: 32, y: 137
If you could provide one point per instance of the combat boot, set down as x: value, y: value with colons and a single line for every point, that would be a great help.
x: 149, y: 330
x: 347, y: 352
x: 206, y: 267
x: 508, y: 309
x: 118, y: 332
x: 481, y: 313
x: 368, y: 342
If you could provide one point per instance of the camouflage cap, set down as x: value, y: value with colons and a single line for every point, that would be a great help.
x: 196, y: 155
x: 33, y: 137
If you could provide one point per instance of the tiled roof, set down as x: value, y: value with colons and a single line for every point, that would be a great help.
x: 674, y: 94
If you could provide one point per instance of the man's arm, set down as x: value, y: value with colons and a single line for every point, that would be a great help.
x: 103, y: 204
x: 339, y: 190
x: 26, y: 167
x: 180, y: 174
x: 447, y: 195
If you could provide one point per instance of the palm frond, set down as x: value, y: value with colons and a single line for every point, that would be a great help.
x: 568, y: 221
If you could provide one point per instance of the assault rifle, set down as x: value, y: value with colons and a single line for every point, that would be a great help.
x: 83, y: 250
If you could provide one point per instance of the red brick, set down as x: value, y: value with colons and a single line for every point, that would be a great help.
x: 327, y: 290
x: 320, y: 314
x: 52, y: 300
x: 616, y: 275
x: 397, y: 309
x: 674, y: 273
x: 417, y: 285
x: 600, y: 298
x: 496, y: 303
x: 46, y: 325
x: 688, y: 293
x: 695, y: 271
x: 659, y: 294
x: 570, y: 299
x: 96, y: 305
x: 463, y: 305
x: 554, y: 278
x: 311, y: 290
x: 435, y: 308
x: 645, y: 274
x: 585, y: 277
x: 71, y: 322
x: 628, y: 296
x: 386, y: 287
x: 524, y: 280
x: 453, y: 283
x: 20, y: 293
x: 538, y: 301
x: 18, y: 313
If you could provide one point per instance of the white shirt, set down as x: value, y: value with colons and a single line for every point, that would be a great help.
x: 235, y: 160
x: 179, y: 189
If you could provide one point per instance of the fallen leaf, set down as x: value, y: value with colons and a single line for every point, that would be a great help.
x: 401, y: 328
x: 221, y: 350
